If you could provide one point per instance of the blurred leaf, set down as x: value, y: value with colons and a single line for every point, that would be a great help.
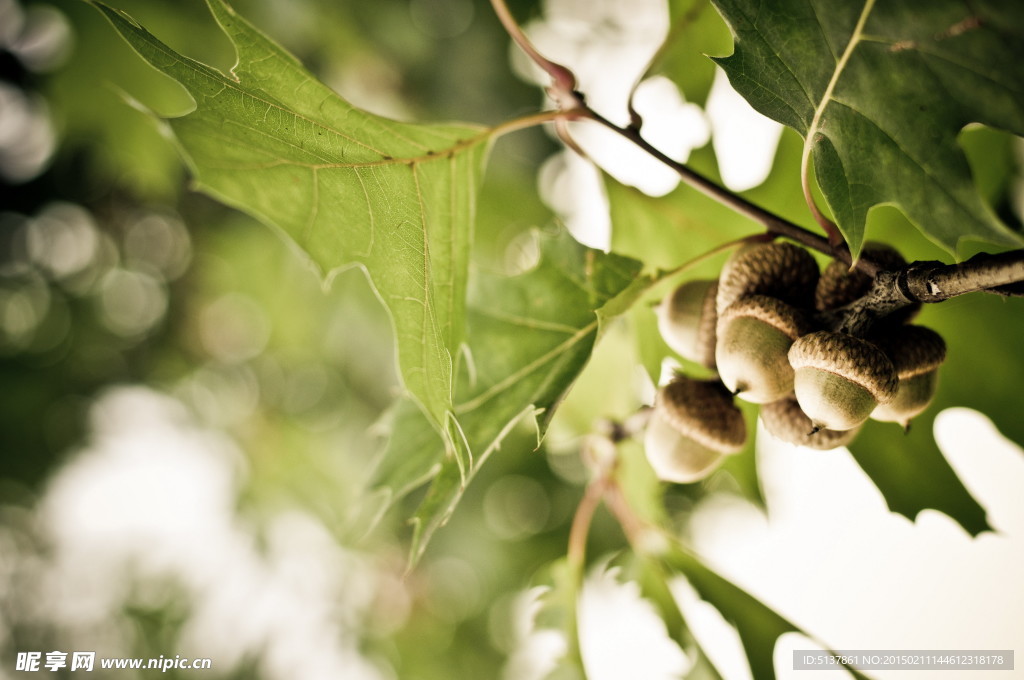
x: 668, y: 231
x: 990, y: 154
x: 529, y: 337
x: 743, y: 465
x: 654, y: 587
x: 982, y: 371
x: 645, y: 493
x: 346, y: 186
x: 758, y: 625
x: 913, y: 475
x: 559, y: 611
x: 880, y: 92
x: 86, y: 94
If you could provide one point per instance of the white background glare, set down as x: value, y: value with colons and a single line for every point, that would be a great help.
x: 608, y: 45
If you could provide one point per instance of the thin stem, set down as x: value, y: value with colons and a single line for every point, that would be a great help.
x: 581, y: 521
x: 563, y: 81
x: 728, y: 245
x: 534, y: 120
x: 835, y: 238
x: 633, y: 526
x: 568, y: 100
x: 576, y: 553
x: 769, y: 220
x: 928, y: 282
x: 562, y: 130
x: 935, y: 282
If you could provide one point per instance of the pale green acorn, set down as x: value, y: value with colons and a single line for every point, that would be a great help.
x: 754, y: 337
x: 687, y: 318
x: 916, y: 353
x: 694, y: 425
x: 839, y: 379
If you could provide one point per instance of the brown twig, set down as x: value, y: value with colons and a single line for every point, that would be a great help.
x: 930, y: 282
x: 935, y: 282
x: 563, y: 80
x: 775, y: 224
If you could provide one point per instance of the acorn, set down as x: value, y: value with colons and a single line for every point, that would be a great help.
x: 687, y: 318
x: 916, y: 353
x: 839, y: 285
x: 785, y: 421
x: 693, y: 427
x: 754, y: 337
x: 780, y: 270
x: 839, y: 379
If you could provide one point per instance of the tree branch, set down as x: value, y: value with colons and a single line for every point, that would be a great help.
x: 935, y: 282
x: 930, y: 282
x: 775, y: 224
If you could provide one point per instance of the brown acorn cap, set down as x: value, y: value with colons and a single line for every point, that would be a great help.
x: 857, y: 360
x: 703, y: 410
x: 771, y: 311
x: 913, y: 350
x: 839, y: 286
x: 785, y: 421
x: 781, y: 270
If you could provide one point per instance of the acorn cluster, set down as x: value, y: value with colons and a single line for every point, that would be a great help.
x: 762, y: 327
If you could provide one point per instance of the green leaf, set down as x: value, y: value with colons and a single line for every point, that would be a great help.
x: 530, y: 336
x: 913, y: 475
x: 742, y: 466
x: 880, y: 92
x: 347, y: 187
x: 558, y: 612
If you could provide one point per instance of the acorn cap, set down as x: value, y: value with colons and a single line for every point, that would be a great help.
x: 857, y: 360
x: 781, y: 270
x: 839, y: 286
x: 786, y: 421
x: 703, y: 410
x: 913, y: 350
x: 771, y: 311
